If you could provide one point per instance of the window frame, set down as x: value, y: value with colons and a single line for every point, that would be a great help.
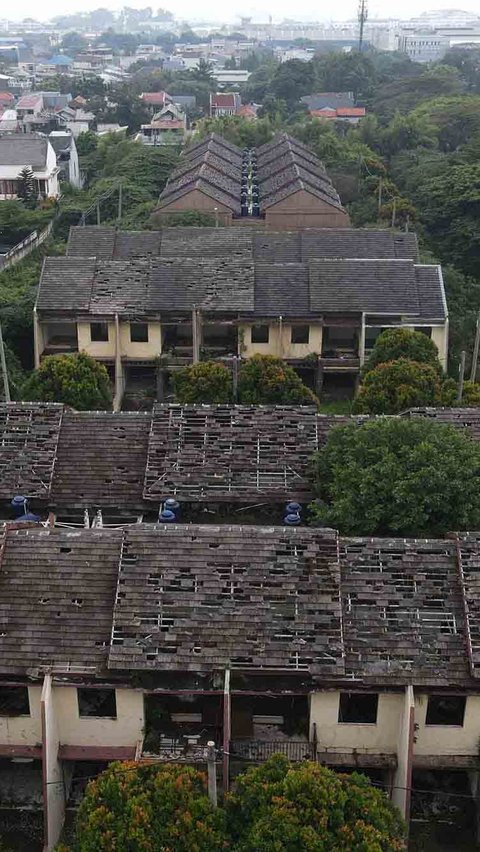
x: 99, y: 325
x: 4, y: 690
x: 259, y: 329
x: 96, y: 690
x: 295, y: 329
x: 348, y: 696
x: 138, y: 325
x: 431, y: 698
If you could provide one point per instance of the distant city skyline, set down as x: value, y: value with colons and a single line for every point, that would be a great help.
x: 259, y: 10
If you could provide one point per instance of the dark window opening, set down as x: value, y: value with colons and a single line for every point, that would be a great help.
x: 300, y: 333
x: 424, y: 329
x: 445, y: 710
x: 99, y: 332
x: 339, y: 340
x: 358, y: 708
x: 97, y: 702
x: 260, y: 334
x: 139, y: 332
x: 14, y: 701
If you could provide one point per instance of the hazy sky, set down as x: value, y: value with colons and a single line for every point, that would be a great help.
x: 217, y: 10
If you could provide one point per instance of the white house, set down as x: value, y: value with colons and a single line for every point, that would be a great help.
x: 18, y: 151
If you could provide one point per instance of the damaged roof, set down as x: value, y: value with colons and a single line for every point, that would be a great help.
x: 192, y: 598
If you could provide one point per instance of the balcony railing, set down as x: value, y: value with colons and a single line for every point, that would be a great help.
x: 179, y: 750
x: 261, y: 750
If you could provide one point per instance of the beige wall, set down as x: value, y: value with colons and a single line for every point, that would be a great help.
x: 143, y: 351
x: 24, y: 730
x: 53, y: 781
x: 199, y: 202
x: 125, y: 730
x: 448, y: 739
x: 440, y: 338
x: 280, y: 344
x: 304, y: 210
x: 343, y: 737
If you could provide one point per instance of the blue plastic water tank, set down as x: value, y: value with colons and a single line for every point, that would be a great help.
x: 19, y: 505
x: 29, y: 516
x: 167, y: 517
x: 293, y: 508
x: 292, y: 519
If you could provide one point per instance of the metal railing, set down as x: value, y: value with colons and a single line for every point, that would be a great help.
x: 260, y: 750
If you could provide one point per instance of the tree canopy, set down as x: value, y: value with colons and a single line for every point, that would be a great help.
x: 394, y: 343
x: 264, y: 380
x: 397, y: 385
x: 207, y: 382
x: 397, y: 476
x: 77, y: 380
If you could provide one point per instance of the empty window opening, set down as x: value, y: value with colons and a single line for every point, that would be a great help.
x: 260, y: 334
x: 139, y: 332
x: 445, y: 710
x: 97, y: 702
x: 357, y: 708
x: 300, y: 334
x: 14, y: 701
x: 99, y: 332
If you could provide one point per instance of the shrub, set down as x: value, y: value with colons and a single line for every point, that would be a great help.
x: 398, y: 476
x: 77, y: 380
x: 397, y: 385
x: 264, y: 379
x: 395, y: 343
x: 207, y: 382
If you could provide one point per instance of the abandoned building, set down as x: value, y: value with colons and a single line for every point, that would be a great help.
x: 280, y: 186
x: 144, y: 642
x: 140, y: 302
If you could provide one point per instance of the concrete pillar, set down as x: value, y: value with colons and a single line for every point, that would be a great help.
x: 196, y: 335
x: 319, y: 378
x: 361, y: 342
x: 402, y: 782
x: 227, y: 725
x: 119, y: 382
x: 160, y: 383
x: 36, y: 338
x: 54, y: 795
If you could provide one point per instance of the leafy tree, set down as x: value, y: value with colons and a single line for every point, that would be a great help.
x: 86, y: 143
x: 398, y: 476
x: 17, y: 221
x: 26, y: 189
x: 207, y: 382
x: 346, y: 72
x: 394, y: 343
x: 406, y: 93
x: 264, y: 379
x: 467, y: 62
x: 397, y: 385
x: 304, y: 807
x: 77, y: 380
x: 453, y: 119
x: 292, y: 80
x: 73, y: 43
x: 154, y: 808
x: 203, y: 72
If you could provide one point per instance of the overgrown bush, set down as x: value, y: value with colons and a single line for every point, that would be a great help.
x: 397, y: 385
x: 206, y: 382
x: 77, y: 380
x: 395, y: 343
x: 266, y: 380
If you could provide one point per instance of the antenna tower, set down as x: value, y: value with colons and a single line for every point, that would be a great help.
x: 362, y: 17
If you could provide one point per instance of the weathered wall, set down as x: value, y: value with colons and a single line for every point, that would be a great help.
x: 24, y: 730
x: 107, y: 349
x: 448, y: 739
x: 340, y: 736
x: 304, y: 210
x: 125, y: 730
x: 279, y: 344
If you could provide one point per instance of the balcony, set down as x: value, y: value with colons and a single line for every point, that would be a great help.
x: 178, y: 728
x: 259, y: 751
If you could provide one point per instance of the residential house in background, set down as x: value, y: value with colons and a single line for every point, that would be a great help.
x: 224, y: 103
x: 328, y: 100
x: 63, y: 143
x: 280, y: 186
x: 233, y: 293
x: 167, y: 127
x: 18, y: 151
x: 350, y: 114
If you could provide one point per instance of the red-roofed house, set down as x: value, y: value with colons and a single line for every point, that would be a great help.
x: 248, y: 112
x: 350, y: 114
x: 224, y: 103
x: 155, y: 100
x: 6, y: 99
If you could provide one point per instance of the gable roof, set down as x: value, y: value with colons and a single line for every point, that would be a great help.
x: 328, y: 99
x: 23, y: 150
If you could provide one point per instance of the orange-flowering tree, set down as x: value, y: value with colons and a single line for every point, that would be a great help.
x: 304, y: 807
x: 148, y: 808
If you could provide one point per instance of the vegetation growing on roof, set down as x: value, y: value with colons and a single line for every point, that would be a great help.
x: 397, y: 476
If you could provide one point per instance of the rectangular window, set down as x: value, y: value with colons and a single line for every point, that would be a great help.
x: 300, y: 333
x: 14, y: 701
x: 260, y: 333
x: 358, y: 708
x: 99, y: 332
x: 424, y: 329
x: 139, y: 332
x: 97, y: 703
x: 445, y: 710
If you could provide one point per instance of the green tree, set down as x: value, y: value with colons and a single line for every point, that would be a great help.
x: 203, y: 72
x: 146, y: 808
x: 26, y: 189
x: 305, y: 807
x: 397, y: 385
x: 77, y: 380
x: 86, y: 143
x: 292, y: 80
x: 346, y: 72
x: 398, y: 476
x: 394, y: 343
x: 265, y: 380
x: 207, y: 382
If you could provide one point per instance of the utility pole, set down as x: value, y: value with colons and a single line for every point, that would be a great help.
x: 362, y: 17
x: 119, y: 216
x: 98, y: 212
x: 473, y: 372
x: 461, y: 376
x: 394, y: 212
x: 380, y: 188
x: 6, y: 385
x: 212, y: 773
